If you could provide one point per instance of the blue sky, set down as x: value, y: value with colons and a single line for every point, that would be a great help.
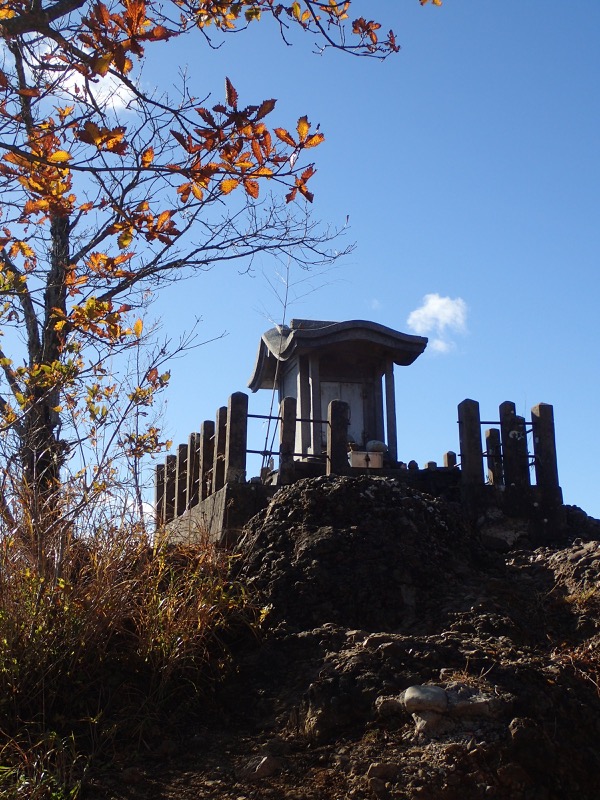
x: 468, y: 167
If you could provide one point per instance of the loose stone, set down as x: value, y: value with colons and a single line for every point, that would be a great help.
x: 425, y: 698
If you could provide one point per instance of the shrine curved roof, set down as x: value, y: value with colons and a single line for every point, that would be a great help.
x: 281, y: 343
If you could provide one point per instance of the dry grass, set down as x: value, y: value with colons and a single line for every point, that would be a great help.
x: 584, y: 598
x: 99, y: 638
x: 583, y: 661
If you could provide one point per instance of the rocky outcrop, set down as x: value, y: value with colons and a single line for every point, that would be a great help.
x: 452, y: 668
x: 402, y: 656
x: 358, y: 552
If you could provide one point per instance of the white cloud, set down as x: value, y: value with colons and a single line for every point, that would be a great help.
x: 440, y: 317
x: 441, y: 345
x: 375, y: 304
x: 106, y: 91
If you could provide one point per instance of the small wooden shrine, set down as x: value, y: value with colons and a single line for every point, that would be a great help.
x: 316, y: 362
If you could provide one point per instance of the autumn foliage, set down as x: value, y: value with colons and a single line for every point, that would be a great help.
x: 107, y: 195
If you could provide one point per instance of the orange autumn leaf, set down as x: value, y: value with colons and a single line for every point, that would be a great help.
x: 303, y: 128
x: 257, y: 152
x: 63, y: 113
x: 282, y: 134
x: 184, y: 192
x: 163, y: 218
x: 59, y: 157
x: 263, y: 172
x: 251, y: 188
x: 125, y: 238
x: 147, y: 157
x: 159, y: 32
x: 21, y: 248
x: 231, y: 94
x: 90, y: 133
x: 228, y: 185
x: 103, y: 14
x: 111, y: 139
x: 309, y: 195
x: 314, y: 140
x: 265, y: 108
x: 102, y: 64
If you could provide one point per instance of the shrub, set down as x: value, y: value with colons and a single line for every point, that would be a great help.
x: 103, y: 641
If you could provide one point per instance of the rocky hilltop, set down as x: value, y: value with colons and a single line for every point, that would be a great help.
x: 406, y: 653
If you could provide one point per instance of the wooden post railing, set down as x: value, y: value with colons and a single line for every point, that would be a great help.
x: 170, y: 488
x: 469, y: 432
x: 546, y: 467
x: 217, y: 455
x: 181, y: 480
x: 508, y: 461
x: 544, y: 447
x: 218, y: 475
x: 338, y: 419
x: 192, y: 491
x: 450, y: 460
x: 235, y: 438
x: 207, y: 457
x: 494, y: 457
x: 515, y: 458
x: 287, y: 439
x: 159, y: 495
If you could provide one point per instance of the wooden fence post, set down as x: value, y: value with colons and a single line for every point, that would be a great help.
x: 193, y: 470
x: 450, y: 459
x: 515, y: 457
x: 338, y: 419
x: 236, y: 438
x: 546, y: 468
x: 494, y: 456
x: 181, y: 480
x: 544, y: 447
x: 170, y: 483
x: 159, y: 495
x: 287, y: 439
x: 218, y: 477
x: 471, y: 455
x: 207, y: 458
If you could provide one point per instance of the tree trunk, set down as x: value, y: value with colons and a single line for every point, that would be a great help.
x: 42, y: 451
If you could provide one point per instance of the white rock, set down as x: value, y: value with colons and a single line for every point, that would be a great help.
x: 425, y: 698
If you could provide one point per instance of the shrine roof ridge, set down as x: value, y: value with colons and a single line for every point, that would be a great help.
x: 283, y: 342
